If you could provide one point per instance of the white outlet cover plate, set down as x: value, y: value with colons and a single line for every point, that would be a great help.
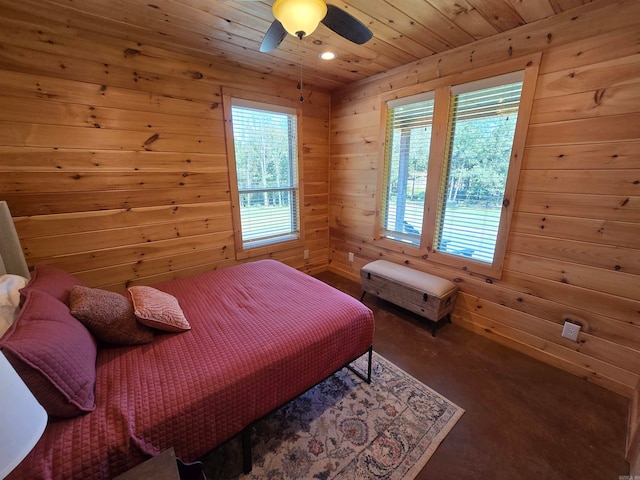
x: 570, y: 331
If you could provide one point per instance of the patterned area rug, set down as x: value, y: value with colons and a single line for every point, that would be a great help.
x: 346, y: 429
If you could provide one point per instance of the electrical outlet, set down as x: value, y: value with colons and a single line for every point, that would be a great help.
x: 306, y: 254
x: 570, y: 331
x: 351, y: 257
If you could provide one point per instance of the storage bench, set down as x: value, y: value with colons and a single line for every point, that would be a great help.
x: 427, y: 295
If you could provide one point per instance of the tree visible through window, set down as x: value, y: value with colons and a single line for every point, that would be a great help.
x: 444, y: 193
x: 408, y: 132
x: 266, y: 159
x: 481, y: 131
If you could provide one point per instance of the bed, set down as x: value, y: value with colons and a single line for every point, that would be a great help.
x: 261, y: 333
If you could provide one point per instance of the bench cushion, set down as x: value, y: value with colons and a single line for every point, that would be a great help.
x: 440, y: 287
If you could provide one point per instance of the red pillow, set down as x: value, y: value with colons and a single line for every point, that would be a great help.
x: 52, y: 280
x: 54, y: 354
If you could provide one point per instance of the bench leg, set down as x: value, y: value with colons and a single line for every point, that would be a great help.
x: 434, y: 325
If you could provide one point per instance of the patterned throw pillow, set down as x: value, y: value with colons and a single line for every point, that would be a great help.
x: 158, y: 309
x: 108, y: 316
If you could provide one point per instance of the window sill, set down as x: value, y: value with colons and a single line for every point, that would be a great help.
x: 400, y: 247
x: 265, y: 250
x: 467, y: 264
x: 443, y: 259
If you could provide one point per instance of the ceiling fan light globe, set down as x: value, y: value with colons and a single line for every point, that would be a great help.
x: 298, y: 16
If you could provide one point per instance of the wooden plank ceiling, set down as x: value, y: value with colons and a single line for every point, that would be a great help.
x: 230, y: 31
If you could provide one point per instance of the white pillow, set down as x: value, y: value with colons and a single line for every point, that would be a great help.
x: 7, y: 315
x: 10, y: 286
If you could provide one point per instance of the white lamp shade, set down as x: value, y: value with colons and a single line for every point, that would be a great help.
x: 22, y: 419
x: 299, y: 15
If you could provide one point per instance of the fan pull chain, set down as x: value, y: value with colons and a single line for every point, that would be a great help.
x: 300, y: 69
x: 300, y: 85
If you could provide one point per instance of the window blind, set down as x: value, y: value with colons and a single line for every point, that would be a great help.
x: 481, y: 131
x: 408, y: 139
x: 265, y: 145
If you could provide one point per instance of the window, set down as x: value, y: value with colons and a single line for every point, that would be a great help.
x: 408, y: 133
x: 263, y: 165
x: 480, y: 137
x: 451, y: 162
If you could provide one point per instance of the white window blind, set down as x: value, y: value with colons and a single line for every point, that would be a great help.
x: 265, y: 143
x: 481, y: 131
x: 408, y: 139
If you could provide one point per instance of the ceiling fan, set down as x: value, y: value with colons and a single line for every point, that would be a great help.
x: 301, y: 17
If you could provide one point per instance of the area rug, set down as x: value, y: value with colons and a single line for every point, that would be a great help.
x: 346, y: 429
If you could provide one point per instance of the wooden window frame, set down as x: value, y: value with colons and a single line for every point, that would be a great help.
x: 228, y: 94
x: 437, y: 160
x: 386, y: 160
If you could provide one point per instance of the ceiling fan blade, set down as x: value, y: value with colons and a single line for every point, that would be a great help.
x: 273, y: 37
x: 346, y: 25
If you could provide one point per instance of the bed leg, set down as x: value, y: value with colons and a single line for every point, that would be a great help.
x: 366, y: 378
x: 246, y: 450
x: 190, y: 471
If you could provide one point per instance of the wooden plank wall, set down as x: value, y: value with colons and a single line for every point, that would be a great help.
x: 574, y: 245
x: 113, y: 157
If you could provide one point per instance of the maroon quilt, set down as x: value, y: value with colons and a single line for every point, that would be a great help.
x: 262, y: 333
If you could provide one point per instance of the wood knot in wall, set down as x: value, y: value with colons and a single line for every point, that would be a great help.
x: 151, y: 139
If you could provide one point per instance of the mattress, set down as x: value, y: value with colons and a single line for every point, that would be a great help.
x: 262, y: 333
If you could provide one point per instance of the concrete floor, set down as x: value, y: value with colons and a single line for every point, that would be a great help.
x: 524, y: 419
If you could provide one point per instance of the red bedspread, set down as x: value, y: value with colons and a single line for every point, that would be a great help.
x: 262, y: 333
